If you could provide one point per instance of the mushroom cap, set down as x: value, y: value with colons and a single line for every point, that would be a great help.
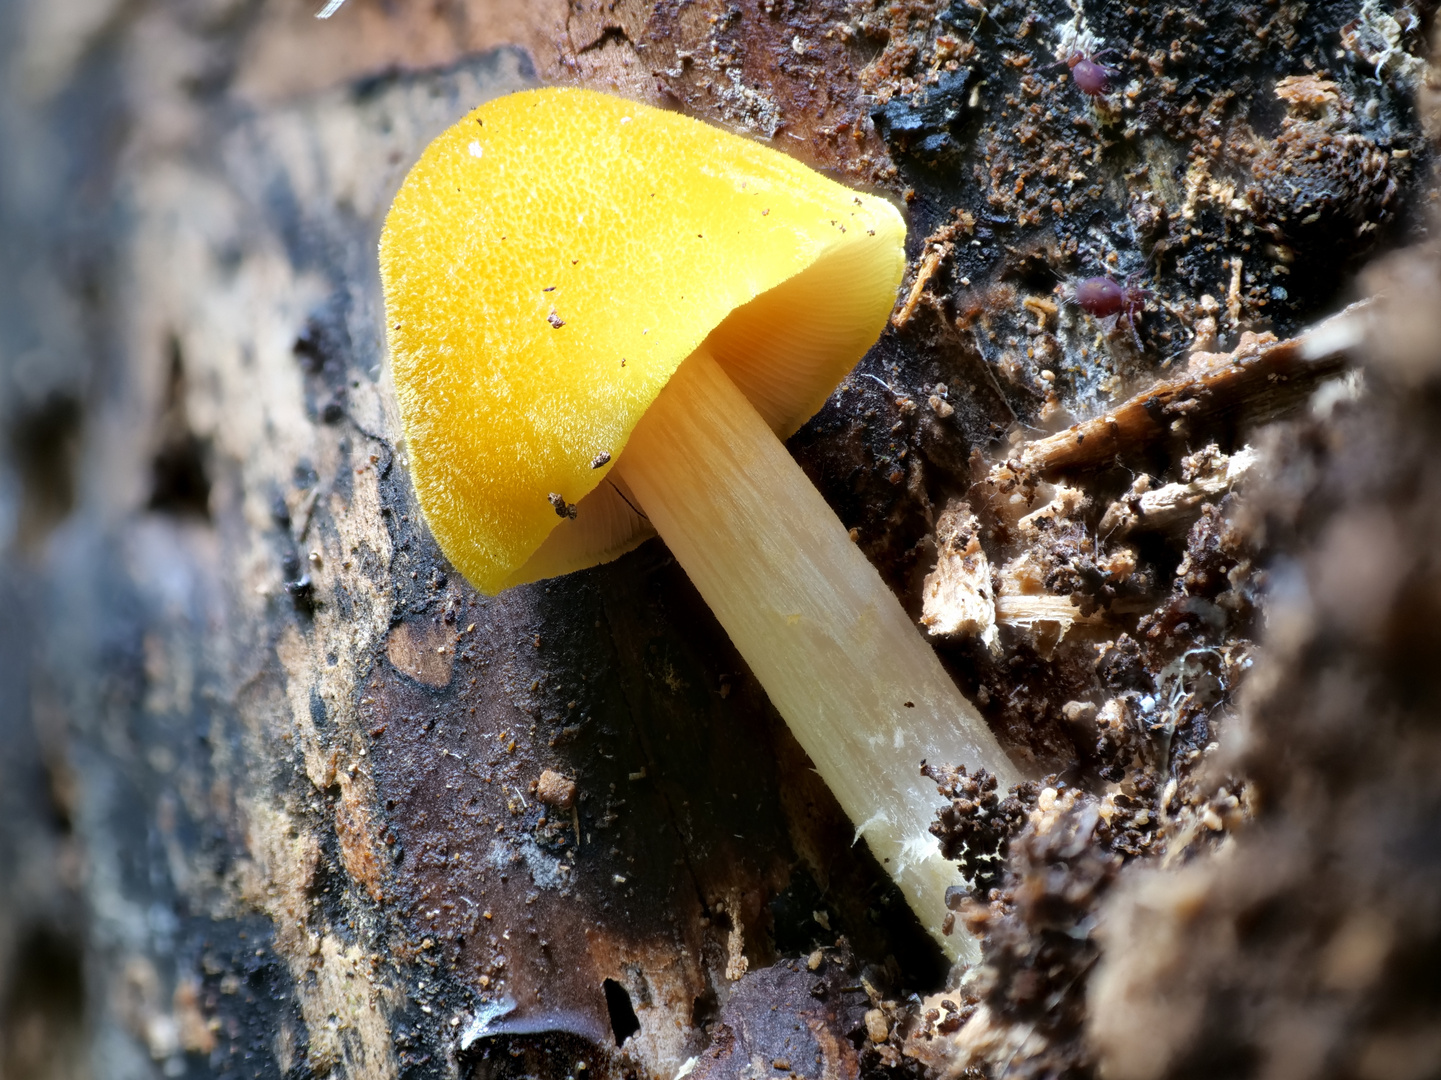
x: 552, y: 259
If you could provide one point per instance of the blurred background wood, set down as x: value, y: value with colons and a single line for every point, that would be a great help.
x: 268, y: 771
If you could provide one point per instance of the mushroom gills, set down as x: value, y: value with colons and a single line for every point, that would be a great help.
x: 784, y: 365
x: 606, y: 525
x: 862, y: 692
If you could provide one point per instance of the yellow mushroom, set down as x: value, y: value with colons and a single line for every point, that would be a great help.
x: 602, y: 320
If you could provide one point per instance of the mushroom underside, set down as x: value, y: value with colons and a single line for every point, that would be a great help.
x: 785, y: 350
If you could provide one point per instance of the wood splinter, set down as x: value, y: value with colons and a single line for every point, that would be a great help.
x: 1260, y: 377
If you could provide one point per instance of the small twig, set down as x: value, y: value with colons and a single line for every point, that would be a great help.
x: 927, y: 270
x: 1254, y: 371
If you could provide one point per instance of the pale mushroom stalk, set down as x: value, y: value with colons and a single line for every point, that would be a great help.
x: 862, y: 692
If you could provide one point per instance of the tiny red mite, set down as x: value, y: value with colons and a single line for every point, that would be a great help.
x: 1091, y: 77
x: 1106, y: 299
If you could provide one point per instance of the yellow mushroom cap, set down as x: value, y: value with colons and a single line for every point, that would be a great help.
x: 548, y: 264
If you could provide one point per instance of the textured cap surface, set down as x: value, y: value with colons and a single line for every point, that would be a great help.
x: 548, y: 264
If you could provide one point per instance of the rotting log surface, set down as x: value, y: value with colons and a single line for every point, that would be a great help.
x: 254, y: 826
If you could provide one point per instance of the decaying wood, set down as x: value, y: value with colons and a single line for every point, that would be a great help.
x: 1260, y: 377
x: 768, y: 71
x: 283, y: 797
x: 957, y: 594
x: 1205, y: 475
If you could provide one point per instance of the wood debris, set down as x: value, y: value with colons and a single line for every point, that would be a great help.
x: 1174, y: 506
x: 1260, y: 376
x: 937, y: 247
x: 957, y: 597
x: 927, y: 270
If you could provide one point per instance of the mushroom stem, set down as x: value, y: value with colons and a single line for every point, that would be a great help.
x: 863, y: 694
